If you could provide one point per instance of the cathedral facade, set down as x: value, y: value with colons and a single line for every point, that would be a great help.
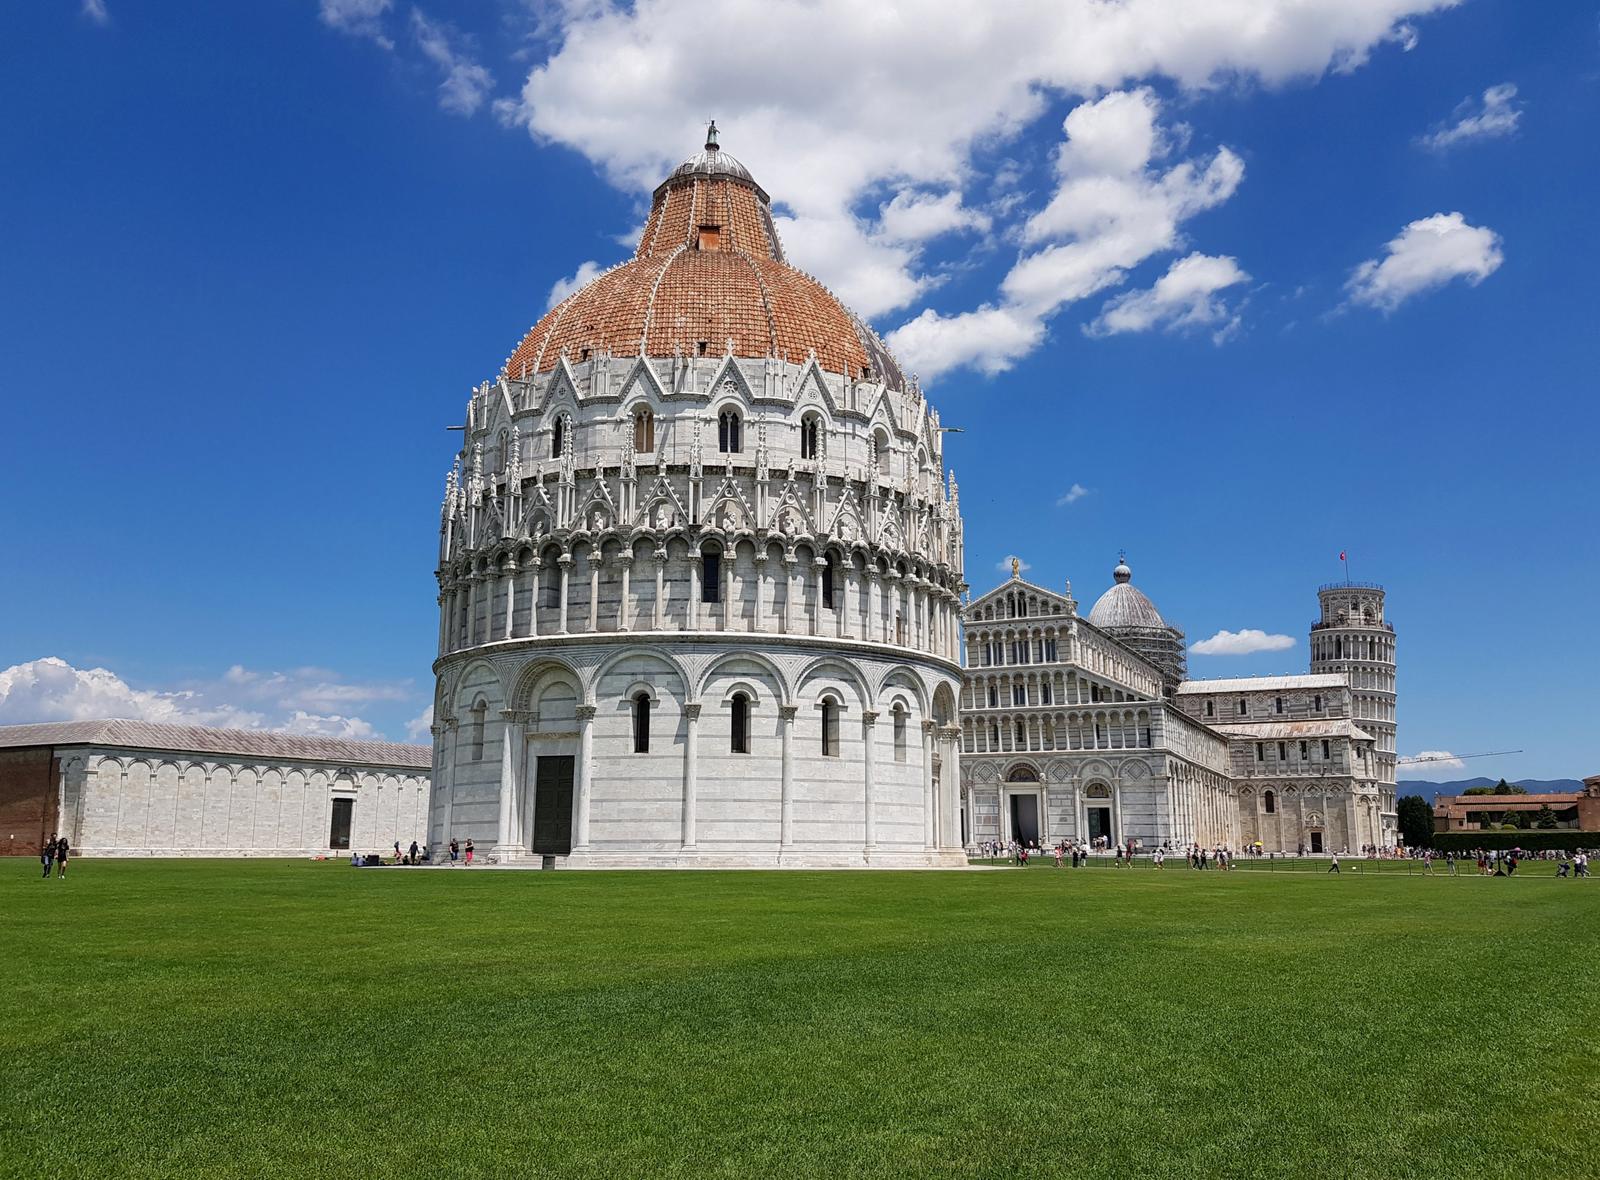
x: 700, y: 572
x: 1087, y: 729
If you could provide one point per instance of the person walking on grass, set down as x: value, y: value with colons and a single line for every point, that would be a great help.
x: 469, y: 852
x: 455, y: 849
x: 62, y: 848
x: 413, y: 852
x: 1333, y: 865
x: 47, y: 855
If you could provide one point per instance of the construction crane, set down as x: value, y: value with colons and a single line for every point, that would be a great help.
x: 1450, y: 757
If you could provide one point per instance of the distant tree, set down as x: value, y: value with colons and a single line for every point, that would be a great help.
x: 1416, y: 821
x: 1500, y: 788
x: 1544, y: 817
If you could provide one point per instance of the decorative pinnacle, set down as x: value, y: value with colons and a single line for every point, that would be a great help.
x: 711, y: 136
x: 1016, y: 567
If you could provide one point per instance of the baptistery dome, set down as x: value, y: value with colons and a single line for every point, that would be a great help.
x: 708, y: 276
x: 700, y: 572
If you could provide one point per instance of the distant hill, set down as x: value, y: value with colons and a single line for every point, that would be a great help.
x: 1536, y: 786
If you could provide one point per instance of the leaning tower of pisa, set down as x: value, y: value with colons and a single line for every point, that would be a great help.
x: 1352, y: 639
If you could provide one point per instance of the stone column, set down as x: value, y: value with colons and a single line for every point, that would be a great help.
x: 505, y: 841
x: 661, y: 587
x: 847, y: 620
x: 565, y: 562
x: 929, y: 794
x: 869, y: 719
x: 788, y: 593
x: 1120, y: 836
x: 728, y: 613
x: 596, y: 559
x: 511, y: 596
x: 786, y: 714
x: 696, y: 572
x: 949, y: 834
x: 533, y: 605
x: 691, y: 770
x: 816, y: 616
x: 625, y: 604
x: 582, y: 786
x: 874, y: 608
x: 472, y: 609
x: 444, y: 620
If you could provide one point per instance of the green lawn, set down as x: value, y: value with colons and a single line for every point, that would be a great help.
x: 285, y: 1019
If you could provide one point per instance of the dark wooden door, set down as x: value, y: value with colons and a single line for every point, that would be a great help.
x: 339, y: 833
x: 552, y: 805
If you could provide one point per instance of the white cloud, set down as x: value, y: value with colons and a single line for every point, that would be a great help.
x: 1072, y: 495
x: 1241, y: 643
x: 301, y: 700
x: 920, y: 217
x: 1184, y: 298
x: 1427, y: 254
x: 1004, y: 564
x: 466, y: 83
x: 913, y: 88
x: 96, y: 11
x: 586, y: 273
x: 419, y: 728
x: 1437, y: 760
x: 359, y: 18
x: 1496, y: 115
x: 1112, y: 209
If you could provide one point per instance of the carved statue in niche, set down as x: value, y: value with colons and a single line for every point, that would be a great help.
x: 598, y: 519
x: 728, y: 517
x: 663, y: 515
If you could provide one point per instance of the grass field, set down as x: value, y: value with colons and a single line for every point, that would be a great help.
x: 293, y: 1019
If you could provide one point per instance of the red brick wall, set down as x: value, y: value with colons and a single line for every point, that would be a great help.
x: 27, y: 799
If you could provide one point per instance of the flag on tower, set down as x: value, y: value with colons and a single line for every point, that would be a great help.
x: 1341, y: 555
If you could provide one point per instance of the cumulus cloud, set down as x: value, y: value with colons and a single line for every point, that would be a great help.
x: 1114, y: 207
x: 1427, y: 254
x: 96, y: 11
x: 302, y: 700
x: 1495, y: 115
x: 1437, y: 760
x: 466, y: 83
x: 1184, y: 298
x: 1241, y: 643
x: 419, y: 728
x: 359, y: 18
x: 586, y: 273
x: 962, y: 77
x: 1004, y: 564
x: 1072, y: 495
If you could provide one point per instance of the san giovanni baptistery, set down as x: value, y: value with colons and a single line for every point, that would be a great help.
x: 699, y: 572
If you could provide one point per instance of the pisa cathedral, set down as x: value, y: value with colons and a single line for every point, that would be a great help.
x: 700, y: 604
x: 1088, y: 729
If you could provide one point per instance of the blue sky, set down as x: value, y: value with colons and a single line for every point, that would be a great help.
x: 254, y: 256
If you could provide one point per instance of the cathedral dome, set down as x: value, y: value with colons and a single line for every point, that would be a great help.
x: 708, y: 273
x: 1125, y: 605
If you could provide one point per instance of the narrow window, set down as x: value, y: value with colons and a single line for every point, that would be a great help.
x: 710, y: 577
x: 1283, y: 752
x: 558, y: 436
x: 899, y: 735
x: 644, y: 432
x: 1242, y: 709
x: 1316, y: 703
x: 1261, y: 752
x: 994, y: 697
x: 830, y: 729
x: 1211, y: 708
x: 810, y: 430
x: 741, y: 723
x: 1021, y: 739
x: 478, y: 712
x: 1303, y: 755
x: 827, y: 582
x: 1271, y: 801
x: 1045, y: 695
x: 641, y: 723
x: 881, y: 441
x: 1277, y: 704
x: 1326, y: 755
x: 728, y: 441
